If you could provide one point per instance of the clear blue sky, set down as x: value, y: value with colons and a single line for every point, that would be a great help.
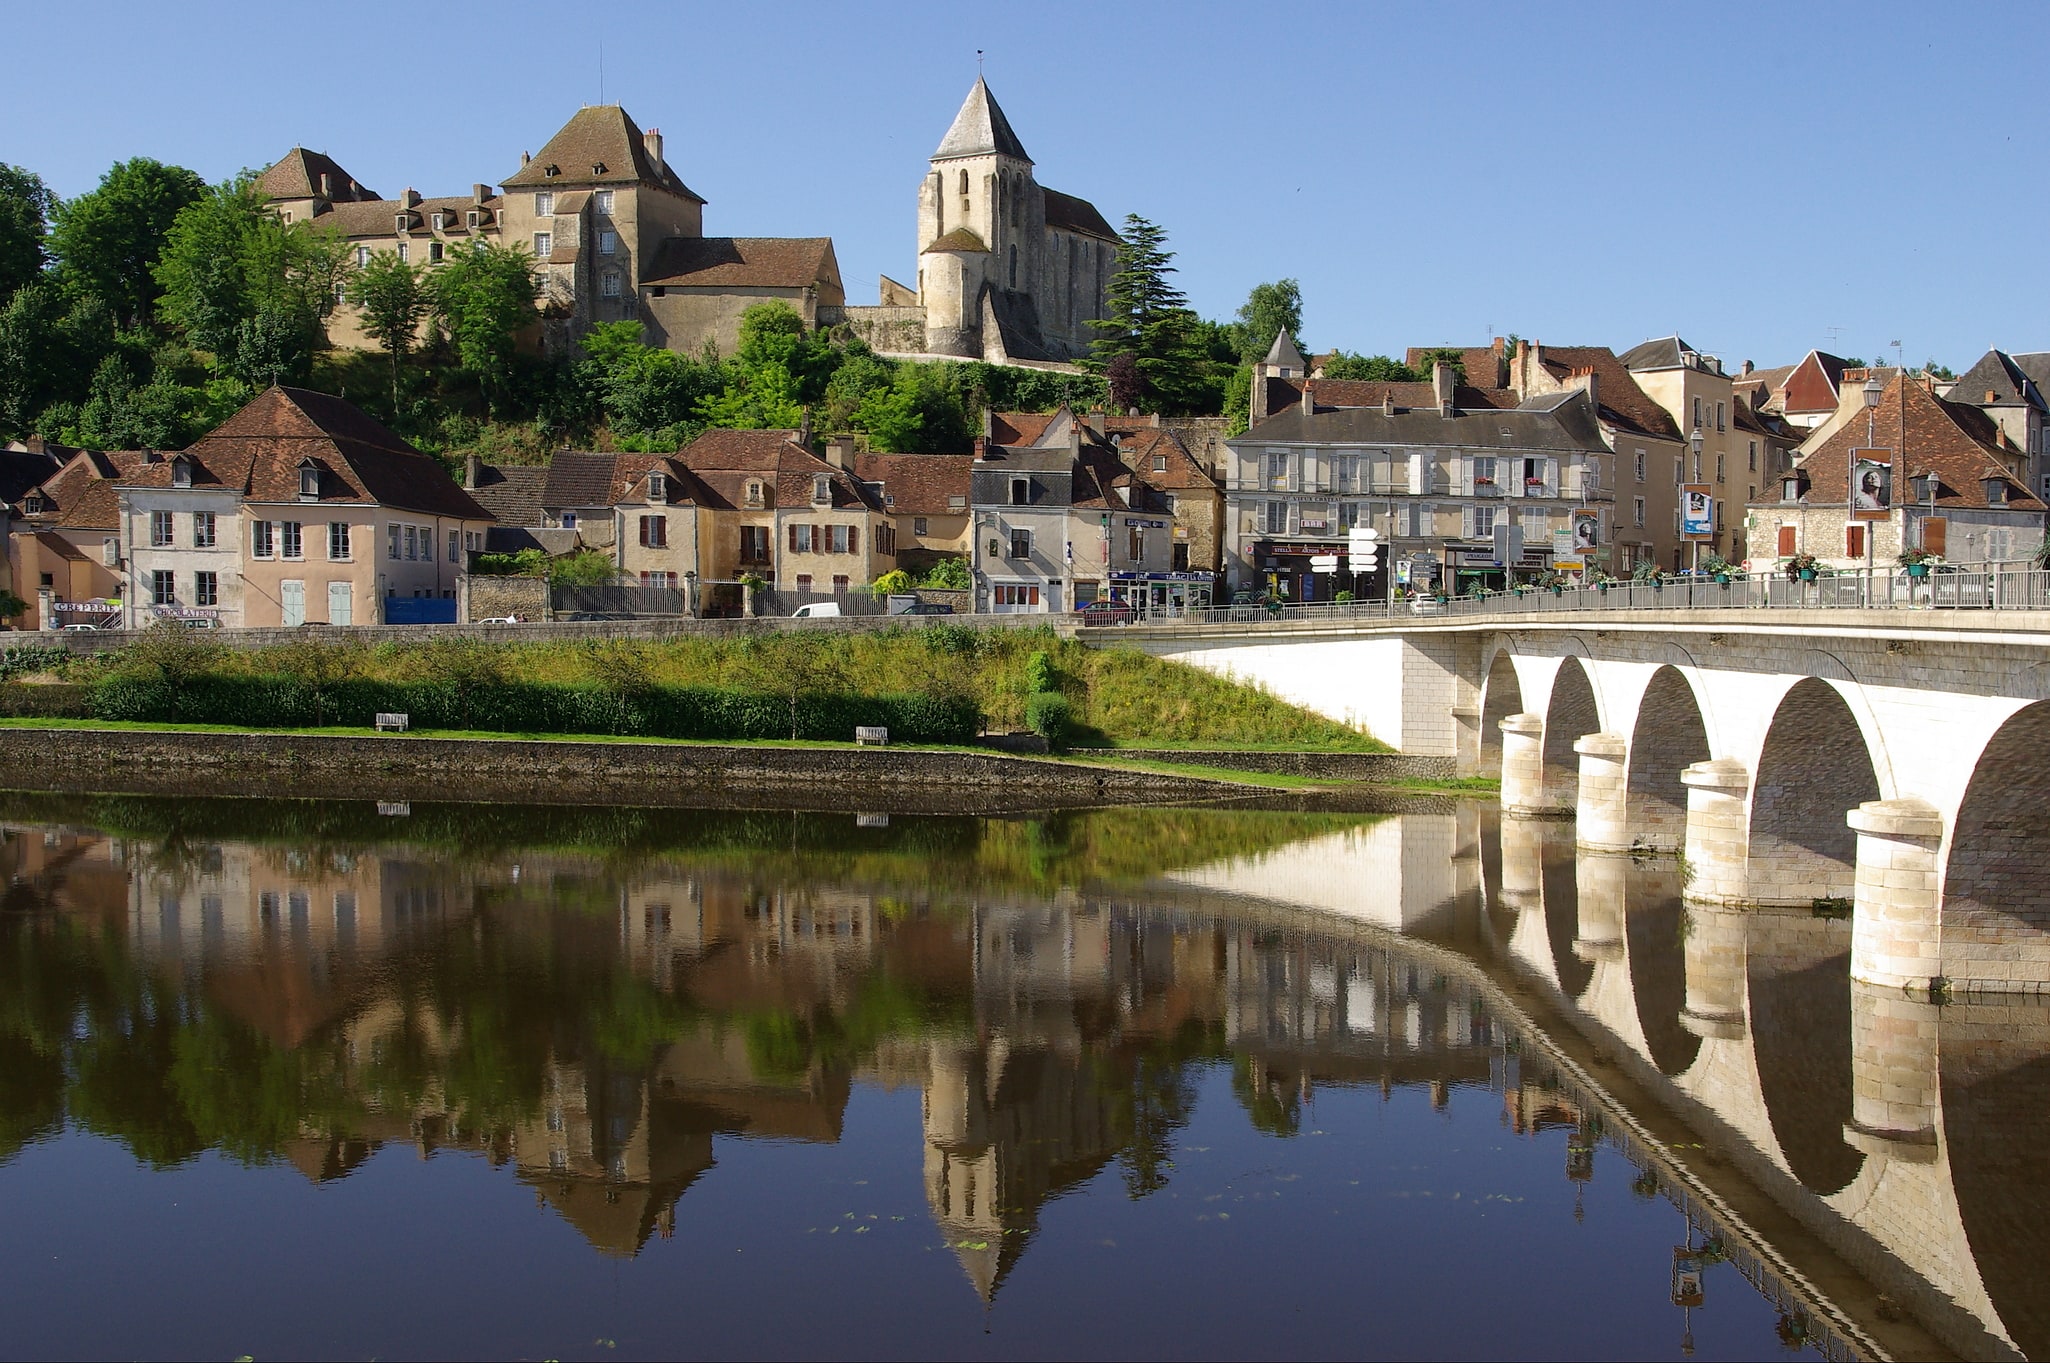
x: 1595, y: 174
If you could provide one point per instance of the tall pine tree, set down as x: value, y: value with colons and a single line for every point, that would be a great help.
x: 1149, y: 330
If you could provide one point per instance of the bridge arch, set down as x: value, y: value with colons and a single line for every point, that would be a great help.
x: 1501, y: 697
x: 1670, y: 735
x: 1573, y: 711
x: 1996, y: 881
x: 1813, y: 770
x: 1655, y: 926
x: 1798, y: 983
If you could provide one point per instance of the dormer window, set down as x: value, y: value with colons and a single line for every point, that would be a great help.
x: 1924, y: 485
x: 401, y: 221
x: 552, y: 171
x: 597, y: 167
x: 1021, y: 492
x: 658, y: 487
x: 474, y: 218
x: 309, y: 481
x: 1790, y: 489
x: 181, y: 472
x: 441, y: 222
x: 35, y: 504
x: 754, y: 494
x: 822, y: 489
x: 1996, y: 492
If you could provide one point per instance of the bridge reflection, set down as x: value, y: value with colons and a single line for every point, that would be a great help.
x: 598, y: 1024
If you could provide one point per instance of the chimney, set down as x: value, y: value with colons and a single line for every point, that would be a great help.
x: 1747, y: 368
x: 411, y: 198
x: 35, y: 444
x: 1388, y: 402
x: 840, y: 453
x: 1308, y: 400
x: 479, y: 193
x: 1588, y: 382
x: 525, y: 157
x: 473, y: 467
x: 1256, y: 406
x: 327, y: 185
x: 653, y: 138
x: 1442, y: 380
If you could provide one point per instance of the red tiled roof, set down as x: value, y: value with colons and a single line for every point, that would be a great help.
x: 296, y: 175
x: 722, y: 462
x: 743, y: 262
x: 1956, y: 442
x: 261, y: 449
x: 1622, y: 400
x: 918, y: 484
x: 600, y: 145
x: 1813, y: 386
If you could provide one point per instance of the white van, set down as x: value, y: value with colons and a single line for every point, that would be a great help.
x: 817, y: 610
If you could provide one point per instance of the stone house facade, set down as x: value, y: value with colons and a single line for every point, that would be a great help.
x: 1958, y: 489
x: 1702, y: 400
x: 63, y: 544
x: 926, y: 495
x: 299, y: 509
x: 1435, y: 479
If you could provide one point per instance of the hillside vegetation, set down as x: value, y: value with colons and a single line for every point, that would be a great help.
x: 1116, y: 696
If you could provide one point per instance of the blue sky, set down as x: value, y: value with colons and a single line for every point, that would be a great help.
x: 1750, y: 177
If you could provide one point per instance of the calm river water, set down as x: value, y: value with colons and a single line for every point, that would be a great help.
x: 330, y: 1079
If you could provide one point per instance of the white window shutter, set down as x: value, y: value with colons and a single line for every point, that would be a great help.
x: 1295, y: 518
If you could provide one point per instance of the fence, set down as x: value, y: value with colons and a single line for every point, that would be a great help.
x: 616, y: 603
x: 1946, y: 587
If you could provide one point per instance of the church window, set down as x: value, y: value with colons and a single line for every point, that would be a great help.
x: 1014, y: 205
x: 1014, y: 266
x: 608, y: 243
x: 964, y: 182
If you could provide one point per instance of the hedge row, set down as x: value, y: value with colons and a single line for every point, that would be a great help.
x: 532, y: 708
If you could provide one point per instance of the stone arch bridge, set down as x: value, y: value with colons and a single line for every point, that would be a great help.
x: 1892, y: 759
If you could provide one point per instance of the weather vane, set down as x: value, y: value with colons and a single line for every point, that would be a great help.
x: 978, y: 61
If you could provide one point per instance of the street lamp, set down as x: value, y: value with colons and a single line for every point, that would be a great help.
x: 1872, y: 389
x: 1693, y: 443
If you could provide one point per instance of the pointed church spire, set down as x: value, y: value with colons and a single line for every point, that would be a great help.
x: 981, y: 129
x: 1284, y: 355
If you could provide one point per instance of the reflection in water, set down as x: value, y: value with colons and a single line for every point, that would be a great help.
x: 599, y: 1001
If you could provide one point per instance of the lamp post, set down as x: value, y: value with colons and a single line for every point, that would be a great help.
x: 1694, y: 444
x: 1872, y: 389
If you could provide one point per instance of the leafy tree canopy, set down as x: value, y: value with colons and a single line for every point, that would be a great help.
x: 485, y: 297
x: 1371, y: 368
x: 25, y: 204
x: 107, y: 242
x: 1268, y: 310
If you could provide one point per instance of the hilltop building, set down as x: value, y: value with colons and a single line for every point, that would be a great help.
x: 1008, y: 271
x: 617, y: 234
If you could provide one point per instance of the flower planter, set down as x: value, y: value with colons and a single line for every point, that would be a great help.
x: 1807, y: 574
x: 1722, y: 579
x: 1918, y: 570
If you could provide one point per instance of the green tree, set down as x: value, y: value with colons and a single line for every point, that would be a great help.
x: 237, y: 281
x: 1449, y: 356
x: 484, y: 297
x: 776, y: 372
x: 25, y: 204
x: 1148, y: 320
x: 108, y: 241
x: 649, y: 395
x: 50, y: 346
x: 921, y: 412
x: 1371, y: 368
x: 1268, y: 310
x: 392, y: 299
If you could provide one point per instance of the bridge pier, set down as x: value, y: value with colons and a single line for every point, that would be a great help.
x: 1523, y: 867
x: 1897, y: 912
x: 1716, y: 960
x: 1523, y: 765
x: 1896, y: 1090
x: 1602, y: 812
x: 1718, y: 831
x: 1600, y: 920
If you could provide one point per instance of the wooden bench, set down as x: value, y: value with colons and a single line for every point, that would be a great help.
x: 871, y: 733
x: 395, y: 723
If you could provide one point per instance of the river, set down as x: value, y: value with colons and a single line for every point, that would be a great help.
x: 458, y: 1080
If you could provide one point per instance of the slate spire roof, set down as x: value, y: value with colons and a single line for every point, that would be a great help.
x: 1284, y: 352
x: 981, y: 129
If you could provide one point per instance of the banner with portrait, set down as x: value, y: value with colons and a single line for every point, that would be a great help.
x: 1697, y: 511
x: 1587, y: 531
x: 1871, y: 484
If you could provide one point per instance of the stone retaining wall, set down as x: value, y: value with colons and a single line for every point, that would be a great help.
x: 391, y: 766
x: 1332, y: 766
x: 561, y: 631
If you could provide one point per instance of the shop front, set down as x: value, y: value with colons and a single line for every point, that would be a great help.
x: 1161, y: 596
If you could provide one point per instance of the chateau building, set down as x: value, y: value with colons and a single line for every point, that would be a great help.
x: 1008, y: 271
x: 616, y: 233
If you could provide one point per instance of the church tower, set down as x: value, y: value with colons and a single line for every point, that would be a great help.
x: 981, y: 224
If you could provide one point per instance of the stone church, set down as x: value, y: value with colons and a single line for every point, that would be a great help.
x: 1008, y: 271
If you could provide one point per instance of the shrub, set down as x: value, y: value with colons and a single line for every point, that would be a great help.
x: 1048, y: 714
x: 1039, y: 675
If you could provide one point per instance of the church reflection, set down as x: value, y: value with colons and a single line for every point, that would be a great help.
x: 600, y: 1025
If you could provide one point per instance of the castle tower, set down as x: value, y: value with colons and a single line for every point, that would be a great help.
x: 981, y: 218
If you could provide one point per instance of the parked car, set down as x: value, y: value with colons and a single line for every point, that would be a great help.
x: 79, y: 628
x: 1106, y: 613
x: 1426, y: 605
x: 817, y: 610
x: 199, y: 622
x: 501, y: 620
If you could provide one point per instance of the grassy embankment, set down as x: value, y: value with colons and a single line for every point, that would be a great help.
x: 1120, y: 697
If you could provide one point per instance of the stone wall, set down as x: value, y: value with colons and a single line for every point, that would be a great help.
x: 892, y: 330
x: 418, y: 767
x: 495, y: 598
x: 1204, y: 436
x: 1330, y: 766
x: 563, y: 631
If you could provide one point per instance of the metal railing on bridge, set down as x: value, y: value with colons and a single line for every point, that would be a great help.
x: 1946, y: 587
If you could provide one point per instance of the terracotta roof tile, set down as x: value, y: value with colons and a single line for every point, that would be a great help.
x: 918, y: 484
x: 599, y: 136
x: 1623, y: 402
x: 296, y: 175
x: 1955, y: 441
x: 742, y: 262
